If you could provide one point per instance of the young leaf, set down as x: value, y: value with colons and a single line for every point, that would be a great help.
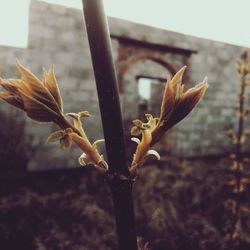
x: 57, y: 135
x: 37, y: 110
x: 84, y: 114
x: 65, y: 142
x: 12, y: 99
x: 51, y: 84
x: 77, y: 120
x: 32, y: 86
x: 97, y: 142
x: 135, y: 131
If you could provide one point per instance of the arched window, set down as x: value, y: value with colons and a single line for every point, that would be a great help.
x: 143, y: 88
x: 149, y: 91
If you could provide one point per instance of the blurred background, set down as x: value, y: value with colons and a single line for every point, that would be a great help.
x: 48, y: 202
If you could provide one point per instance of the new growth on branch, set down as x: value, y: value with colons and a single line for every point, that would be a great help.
x: 42, y: 102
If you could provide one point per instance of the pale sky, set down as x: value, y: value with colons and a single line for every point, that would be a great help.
x: 221, y: 20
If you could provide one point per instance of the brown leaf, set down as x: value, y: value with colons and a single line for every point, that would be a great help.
x: 26, y: 74
x: 183, y: 105
x: 12, y: 99
x: 167, y: 101
x: 51, y: 84
x: 187, y: 102
x: 8, y: 85
x: 32, y: 86
x: 177, y: 78
x: 37, y: 110
x: 55, y: 136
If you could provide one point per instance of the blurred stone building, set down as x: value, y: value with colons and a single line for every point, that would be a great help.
x: 144, y: 57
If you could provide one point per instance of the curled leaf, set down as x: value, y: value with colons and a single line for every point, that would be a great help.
x: 102, y: 163
x: 102, y: 166
x: 141, y: 150
x: 73, y: 115
x: 136, y: 140
x: 77, y: 121
x: 97, y: 142
x: 55, y: 136
x: 154, y: 153
x: 84, y: 114
x: 139, y: 125
x: 64, y: 137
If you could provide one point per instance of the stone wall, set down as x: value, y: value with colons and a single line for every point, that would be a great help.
x: 57, y: 35
x: 202, y: 132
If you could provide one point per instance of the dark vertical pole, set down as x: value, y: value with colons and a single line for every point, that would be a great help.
x: 106, y: 82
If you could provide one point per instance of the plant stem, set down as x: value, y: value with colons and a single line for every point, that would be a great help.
x: 238, y: 153
x: 106, y: 82
x: 241, y: 119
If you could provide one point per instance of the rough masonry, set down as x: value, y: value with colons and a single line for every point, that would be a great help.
x: 57, y: 35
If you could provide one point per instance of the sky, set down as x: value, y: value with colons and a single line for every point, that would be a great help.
x: 221, y: 20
